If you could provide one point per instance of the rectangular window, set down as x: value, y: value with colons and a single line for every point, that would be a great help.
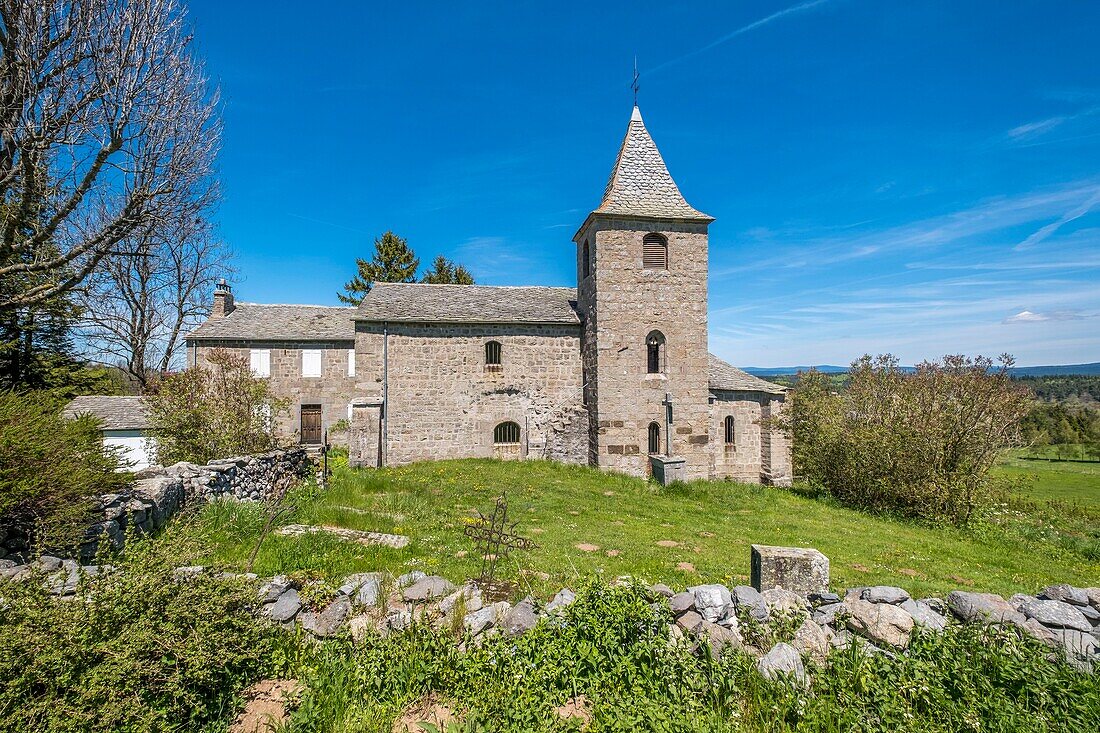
x: 351, y: 362
x: 311, y: 362
x: 260, y: 362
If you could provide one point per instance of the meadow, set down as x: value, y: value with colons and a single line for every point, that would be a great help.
x: 589, y: 524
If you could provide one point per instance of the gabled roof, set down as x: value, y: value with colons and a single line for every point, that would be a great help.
x: 723, y: 376
x: 114, y: 413
x: 423, y: 303
x: 259, y: 322
x: 640, y: 184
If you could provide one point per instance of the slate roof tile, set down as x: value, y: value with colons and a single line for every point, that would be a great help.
x: 115, y: 413
x: 723, y: 376
x: 261, y: 322
x: 421, y: 303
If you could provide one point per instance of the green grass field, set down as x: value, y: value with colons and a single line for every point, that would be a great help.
x: 711, y: 523
x: 1071, y: 482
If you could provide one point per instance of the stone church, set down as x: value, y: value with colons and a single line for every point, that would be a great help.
x: 614, y: 373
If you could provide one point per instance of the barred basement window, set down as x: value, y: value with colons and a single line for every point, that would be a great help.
x: 654, y: 252
x: 507, y: 433
x: 730, y: 435
x: 654, y: 438
x: 492, y: 356
x: 655, y: 352
x: 584, y: 259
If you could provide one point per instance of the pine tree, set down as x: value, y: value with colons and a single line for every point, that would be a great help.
x: 446, y: 272
x: 393, y: 262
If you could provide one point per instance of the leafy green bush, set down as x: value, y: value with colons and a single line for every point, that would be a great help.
x: 49, y: 467
x: 141, y: 651
x: 919, y: 444
x: 223, y: 410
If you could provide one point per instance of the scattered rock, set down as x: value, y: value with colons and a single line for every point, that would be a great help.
x: 396, y: 541
x: 826, y: 615
x: 1082, y: 650
x: 987, y: 608
x: 1066, y: 594
x: 285, y: 607
x: 561, y: 599
x: 661, y: 589
x: 1056, y: 614
x: 923, y: 615
x: 429, y: 588
x: 747, y: 597
x: 470, y: 596
x: 368, y: 593
x: 784, y: 601
x: 811, y: 640
x: 1093, y: 594
x: 798, y: 569
x: 689, y: 621
x: 520, y: 619
x: 404, y: 581
x: 822, y: 599
x: 880, y: 622
x: 274, y: 588
x: 711, y: 601
x: 327, y: 622
x: 478, y: 621
x: 719, y: 638
x: 682, y: 602
x: 885, y: 594
x: 782, y: 661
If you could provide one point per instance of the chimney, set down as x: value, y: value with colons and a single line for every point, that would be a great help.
x: 223, y: 300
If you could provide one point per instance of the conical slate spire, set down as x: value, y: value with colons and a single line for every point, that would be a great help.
x: 640, y: 184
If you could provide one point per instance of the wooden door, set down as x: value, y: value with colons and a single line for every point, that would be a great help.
x: 311, y: 424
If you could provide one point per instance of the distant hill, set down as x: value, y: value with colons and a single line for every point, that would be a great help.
x: 1092, y: 369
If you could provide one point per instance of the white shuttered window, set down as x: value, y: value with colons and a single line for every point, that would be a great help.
x: 260, y: 362
x: 351, y: 362
x: 311, y: 362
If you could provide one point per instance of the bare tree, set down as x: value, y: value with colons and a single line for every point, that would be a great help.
x: 136, y: 310
x: 107, y: 129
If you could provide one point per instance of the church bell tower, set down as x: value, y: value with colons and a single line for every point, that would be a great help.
x: 642, y: 292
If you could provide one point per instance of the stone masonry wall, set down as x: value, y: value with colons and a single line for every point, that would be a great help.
x: 741, y: 461
x: 621, y: 305
x: 444, y: 400
x: 158, y: 493
x: 333, y: 390
x: 776, y: 449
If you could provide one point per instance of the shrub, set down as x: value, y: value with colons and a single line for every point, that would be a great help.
x: 920, y: 444
x: 143, y: 651
x: 203, y: 413
x: 49, y: 467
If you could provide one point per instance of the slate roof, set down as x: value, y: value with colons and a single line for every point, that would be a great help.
x: 640, y: 184
x: 115, y: 413
x: 422, y: 303
x: 258, y: 322
x: 723, y: 376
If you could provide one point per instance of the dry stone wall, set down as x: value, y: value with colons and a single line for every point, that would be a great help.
x: 158, y: 493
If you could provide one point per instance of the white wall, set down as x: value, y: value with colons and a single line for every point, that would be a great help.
x: 136, y: 448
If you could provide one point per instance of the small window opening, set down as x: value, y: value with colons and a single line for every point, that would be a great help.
x: 584, y: 259
x: 492, y: 356
x: 655, y: 352
x: 654, y: 438
x: 507, y: 433
x: 654, y: 252
x: 730, y: 433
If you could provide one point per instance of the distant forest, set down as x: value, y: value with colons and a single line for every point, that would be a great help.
x: 1067, y: 407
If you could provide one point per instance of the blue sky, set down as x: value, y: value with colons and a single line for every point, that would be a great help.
x: 918, y: 178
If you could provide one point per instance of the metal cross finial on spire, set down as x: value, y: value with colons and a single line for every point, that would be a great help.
x: 634, y: 84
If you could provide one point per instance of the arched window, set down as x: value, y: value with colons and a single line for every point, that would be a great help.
x: 492, y: 356
x: 654, y: 252
x: 730, y: 433
x: 507, y: 433
x: 655, y: 352
x: 654, y: 438
x: 584, y: 259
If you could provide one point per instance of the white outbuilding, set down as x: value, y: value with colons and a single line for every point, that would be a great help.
x: 124, y: 422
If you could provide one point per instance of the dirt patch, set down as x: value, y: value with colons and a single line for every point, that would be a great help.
x: 686, y: 567
x: 909, y: 571
x: 429, y: 710
x: 268, y: 705
x: 960, y: 579
x: 667, y: 543
x: 613, y: 553
x: 706, y: 534
x: 586, y: 547
x: 860, y: 568
x: 575, y: 709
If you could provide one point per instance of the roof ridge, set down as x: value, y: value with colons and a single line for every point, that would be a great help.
x: 294, y: 305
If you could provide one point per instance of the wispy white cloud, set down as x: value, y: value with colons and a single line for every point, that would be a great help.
x: 1026, y: 316
x: 800, y: 8
x: 1072, y: 215
x: 1032, y: 129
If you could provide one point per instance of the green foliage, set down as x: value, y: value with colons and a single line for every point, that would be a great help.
x: 49, y: 466
x: 920, y: 444
x: 612, y: 648
x: 393, y: 262
x: 141, y: 651
x: 1060, y: 423
x: 1076, y: 387
x: 211, y: 412
x: 446, y: 272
